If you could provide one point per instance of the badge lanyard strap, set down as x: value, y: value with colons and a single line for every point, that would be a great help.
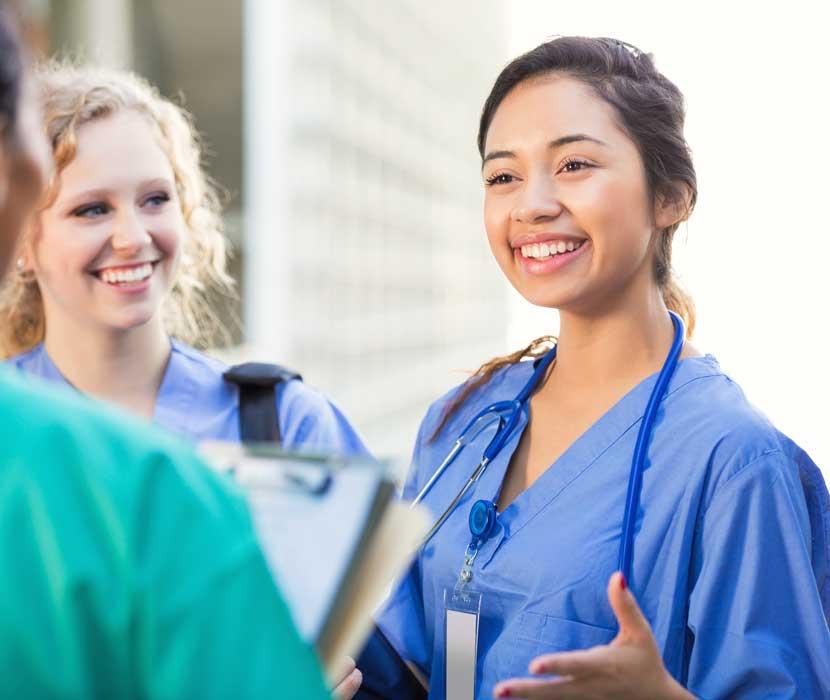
x: 482, y: 522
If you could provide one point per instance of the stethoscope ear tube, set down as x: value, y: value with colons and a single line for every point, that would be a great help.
x: 474, y: 428
x: 479, y: 470
x: 635, y: 479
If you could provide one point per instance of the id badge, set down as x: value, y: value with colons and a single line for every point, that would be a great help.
x: 461, y: 614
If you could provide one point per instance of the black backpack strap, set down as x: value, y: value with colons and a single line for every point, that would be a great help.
x: 257, y: 382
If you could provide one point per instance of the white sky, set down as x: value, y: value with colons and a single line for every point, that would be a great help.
x: 756, y: 253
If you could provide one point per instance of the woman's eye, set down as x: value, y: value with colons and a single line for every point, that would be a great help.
x: 90, y: 211
x: 573, y: 166
x: 499, y: 179
x: 157, y: 200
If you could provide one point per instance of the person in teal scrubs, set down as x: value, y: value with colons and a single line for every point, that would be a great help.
x: 112, y: 289
x: 129, y: 569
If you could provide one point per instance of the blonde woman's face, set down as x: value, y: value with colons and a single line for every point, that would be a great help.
x: 107, y: 250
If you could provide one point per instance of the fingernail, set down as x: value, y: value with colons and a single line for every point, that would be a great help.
x: 503, y: 693
x: 623, y: 583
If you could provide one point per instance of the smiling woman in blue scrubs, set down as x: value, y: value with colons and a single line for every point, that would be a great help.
x: 121, y: 258
x: 587, y: 176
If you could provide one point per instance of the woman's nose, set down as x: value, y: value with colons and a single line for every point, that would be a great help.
x: 130, y: 234
x: 538, y: 202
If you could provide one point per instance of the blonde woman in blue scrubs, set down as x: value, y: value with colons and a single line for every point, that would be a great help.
x: 109, y: 291
x: 587, y: 176
x: 95, y: 602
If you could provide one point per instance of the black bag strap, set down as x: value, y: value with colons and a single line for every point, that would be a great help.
x: 257, y: 382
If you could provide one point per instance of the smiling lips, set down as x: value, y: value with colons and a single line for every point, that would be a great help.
x: 544, y: 254
x: 125, y: 275
x: 549, y: 249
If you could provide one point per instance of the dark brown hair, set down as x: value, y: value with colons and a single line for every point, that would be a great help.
x: 650, y: 110
x: 11, y: 72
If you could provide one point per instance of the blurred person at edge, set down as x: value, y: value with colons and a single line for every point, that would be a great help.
x: 129, y: 568
x: 587, y: 175
x: 111, y: 282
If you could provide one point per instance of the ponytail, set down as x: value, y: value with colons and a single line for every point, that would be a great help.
x: 680, y: 301
x: 485, y: 373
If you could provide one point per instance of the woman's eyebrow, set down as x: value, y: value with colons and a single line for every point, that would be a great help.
x: 156, y: 182
x: 556, y: 143
x: 573, y: 138
x: 74, y: 199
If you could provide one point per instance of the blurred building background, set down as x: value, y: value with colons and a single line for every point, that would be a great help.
x: 344, y: 134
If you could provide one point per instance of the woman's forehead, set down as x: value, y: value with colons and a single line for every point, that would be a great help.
x: 549, y: 108
x: 120, y: 147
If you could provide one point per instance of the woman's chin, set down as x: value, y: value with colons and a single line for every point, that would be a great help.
x: 544, y: 297
x: 125, y: 322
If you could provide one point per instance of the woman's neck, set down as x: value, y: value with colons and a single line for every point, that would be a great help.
x: 618, y: 347
x: 123, y: 367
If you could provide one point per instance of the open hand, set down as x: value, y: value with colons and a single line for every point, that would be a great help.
x: 629, y: 667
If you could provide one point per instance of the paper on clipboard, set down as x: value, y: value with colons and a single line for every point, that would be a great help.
x: 333, y: 535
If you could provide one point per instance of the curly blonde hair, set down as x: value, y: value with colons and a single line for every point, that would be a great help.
x: 74, y: 95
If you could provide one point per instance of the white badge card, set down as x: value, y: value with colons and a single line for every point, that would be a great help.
x: 461, y: 643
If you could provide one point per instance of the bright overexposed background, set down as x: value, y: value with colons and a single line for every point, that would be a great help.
x: 756, y: 253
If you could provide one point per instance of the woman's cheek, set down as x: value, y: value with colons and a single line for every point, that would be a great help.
x: 497, y: 227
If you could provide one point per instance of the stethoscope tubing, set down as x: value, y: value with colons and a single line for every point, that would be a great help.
x: 638, y: 459
x: 496, y: 412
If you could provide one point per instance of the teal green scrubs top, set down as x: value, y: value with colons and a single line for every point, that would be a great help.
x: 130, y: 570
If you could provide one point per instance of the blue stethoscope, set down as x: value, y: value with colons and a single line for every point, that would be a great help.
x: 506, y: 414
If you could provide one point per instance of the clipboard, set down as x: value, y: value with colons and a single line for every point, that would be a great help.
x: 333, y: 533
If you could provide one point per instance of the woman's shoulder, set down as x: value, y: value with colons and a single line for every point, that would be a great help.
x: 308, y: 419
x: 733, y: 436
x: 202, y: 365
x: 714, y: 405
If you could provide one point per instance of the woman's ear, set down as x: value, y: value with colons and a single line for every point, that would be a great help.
x: 674, y: 206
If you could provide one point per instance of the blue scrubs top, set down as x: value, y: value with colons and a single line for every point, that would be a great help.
x: 731, y: 557
x: 195, y: 402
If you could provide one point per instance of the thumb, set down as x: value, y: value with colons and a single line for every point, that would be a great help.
x: 633, y: 625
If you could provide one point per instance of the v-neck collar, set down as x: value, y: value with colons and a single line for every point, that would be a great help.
x: 580, y: 455
x: 172, y: 396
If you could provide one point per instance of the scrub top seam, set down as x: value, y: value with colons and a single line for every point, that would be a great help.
x: 673, y: 391
x: 714, y: 503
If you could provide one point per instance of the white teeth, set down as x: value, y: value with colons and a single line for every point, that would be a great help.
x: 132, y: 274
x: 542, y: 251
